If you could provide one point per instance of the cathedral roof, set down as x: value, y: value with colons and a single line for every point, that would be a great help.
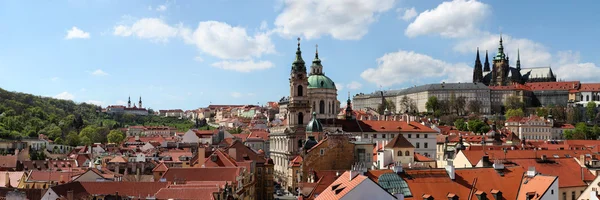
x: 320, y: 81
x: 314, y: 125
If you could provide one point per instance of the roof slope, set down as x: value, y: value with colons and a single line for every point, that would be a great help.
x: 399, y: 142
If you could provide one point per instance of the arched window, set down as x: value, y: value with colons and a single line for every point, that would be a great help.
x: 399, y: 153
x: 587, y: 97
x: 322, y: 107
x: 406, y: 153
x: 299, y: 90
x: 300, y: 118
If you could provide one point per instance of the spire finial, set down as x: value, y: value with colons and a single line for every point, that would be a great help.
x: 317, y: 51
x: 518, y: 54
x: 298, y: 42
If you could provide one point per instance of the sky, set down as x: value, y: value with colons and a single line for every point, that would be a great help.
x: 189, y: 54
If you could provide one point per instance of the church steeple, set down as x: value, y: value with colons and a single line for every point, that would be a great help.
x: 129, y: 102
x: 349, y: 108
x: 316, y: 67
x: 518, y: 59
x: 477, y: 71
x: 298, y: 64
x: 140, y: 102
x: 500, y: 55
x: 486, y: 65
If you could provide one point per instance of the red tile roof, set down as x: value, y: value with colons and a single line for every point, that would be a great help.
x: 399, y: 142
x: 296, y: 162
x: 540, y: 86
x: 161, y: 167
x: 422, y: 158
x: 589, y: 87
x: 474, y: 156
x: 203, y: 174
x: 536, y: 186
x: 341, y: 186
x: 135, y: 189
x: 438, y: 184
x: 511, y: 87
x: 8, y: 161
x: 374, y: 174
x: 118, y: 159
x: 569, y: 171
x: 187, y: 193
x: 219, y: 158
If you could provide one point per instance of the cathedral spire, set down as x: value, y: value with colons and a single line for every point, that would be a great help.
x: 486, y: 65
x: 500, y: 55
x: 298, y: 64
x: 129, y: 102
x: 316, y: 67
x: 477, y: 71
x: 518, y: 59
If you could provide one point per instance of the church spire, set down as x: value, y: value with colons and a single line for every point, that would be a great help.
x: 349, y: 108
x: 129, y: 102
x: 500, y: 55
x: 477, y: 72
x: 316, y: 67
x: 298, y: 64
x: 486, y: 65
x: 518, y: 59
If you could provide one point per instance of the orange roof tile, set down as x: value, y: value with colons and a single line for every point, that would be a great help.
x: 474, y: 156
x: 399, y: 142
x: 342, y: 186
x: 422, y: 158
x: 161, y: 167
x: 569, y: 171
x: 539, y: 86
x: 536, y: 185
x: 589, y: 87
x: 187, y: 193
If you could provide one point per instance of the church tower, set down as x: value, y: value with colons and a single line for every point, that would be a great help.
x: 518, y: 60
x: 316, y: 67
x: 486, y: 65
x: 501, y: 68
x: 140, y: 102
x: 299, y: 107
x: 349, y: 111
x: 129, y: 102
x: 477, y: 70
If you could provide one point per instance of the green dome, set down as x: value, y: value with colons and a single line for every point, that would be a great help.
x: 314, y: 125
x: 320, y: 81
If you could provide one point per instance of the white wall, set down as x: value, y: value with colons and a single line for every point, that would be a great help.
x: 549, y: 196
x: 367, y: 189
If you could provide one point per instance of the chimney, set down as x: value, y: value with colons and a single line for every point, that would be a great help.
x: 138, y: 174
x: 544, y: 157
x: 497, y: 194
x: 201, y: 155
x: 481, y: 195
x: 582, y: 160
x: 137, y: 138
x: 232, y: 153
x: 582, y: 176
x: 451, y: 171
x: 70, y: 195
x: 531, y: 172
x: 498, y: 165
x: 117, y: 195
x: 485, y: 160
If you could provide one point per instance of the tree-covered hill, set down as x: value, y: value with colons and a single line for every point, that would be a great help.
x: 25, y: 115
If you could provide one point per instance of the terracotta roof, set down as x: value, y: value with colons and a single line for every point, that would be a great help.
x: 567, y: 169
x: 296, y: 162
x: 438, y: 184
x: 8, y: 161
x: 262, y: 134
x: 540, y: 86
x: 536, y: 186
x: 161, y: 167
x: 219, y: 158
x: 14, y: 178
x: 118, y: 159
x: 63, y: 165
x: 399, y: 142
x: 45, y: 176
x: 203, y: 174
x: 422, y: 158
x: 187, y: 193
x: 324, y: 178
x: 341, y: 186
x: 378, y: 126
x: 474, y: 156
x: 511, y: 87
x: 589, y: 87
x: 374, y: 174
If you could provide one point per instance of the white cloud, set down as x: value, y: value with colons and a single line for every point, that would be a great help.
x: 54, y: 79
x: 243, y: 66
x: 354, y: 85
x: 236, y: 94
x: 407, y: 66
x: 198, y: 59
x: 76, y: 33
x: 148, y: 28
x: 95, y: 102
x: 570, y: 68
x: 227, y: 42
x: 533, y: 54
x: 64, y: 95
x: 453, y: 19
x: 264, y: 25
x: 342, y: 19
x: 339, y: 86
x: 161, y: 8
x: 406, y: 14
x: 99, y: 72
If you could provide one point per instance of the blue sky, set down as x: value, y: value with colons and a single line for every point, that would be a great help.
x: 187, y: 54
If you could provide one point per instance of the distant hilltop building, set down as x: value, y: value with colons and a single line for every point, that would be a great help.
x: 136, y: 110
x: 502, y: 74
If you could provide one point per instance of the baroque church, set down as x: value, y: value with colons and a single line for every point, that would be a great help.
x: 502, y: 74
x: 312, y: 96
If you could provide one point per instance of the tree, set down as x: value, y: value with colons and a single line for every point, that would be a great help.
x: 405, y: 103
x: 514, y: 113
x: 474, y: 106
x: 476, y: 126
x: 590, y: 110
x: 432, y: 104
x: 513, y: 102
x: 459, y: 105
x: 444, y: 106
x: 389, y: 105
x: 115, y: 136
x: 91, y: 133
x: 84, y: 140
x: 541, y: 111
x: 72, y: 139
x: 573, y: 115
x: 460, y: 125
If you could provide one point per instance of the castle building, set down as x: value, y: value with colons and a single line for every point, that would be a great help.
x: 309, y: 93
x: 135, y: 110
x: 502, y: 74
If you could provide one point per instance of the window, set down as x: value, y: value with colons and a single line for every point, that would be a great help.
x: 409, y: 135
x: 418, y: 145
x: 383, y: 135
x: 322, y: 151
x: 322, y: 107
x: 300, y: 90
x: 425, y: 145
x: 418, y: 136
x: 300, y: 118
x: 406, y: 153
x: 391, y: 135
x: 375, y: 135
x: 425, y: 135
x: 366, y: 136
x: 551, y: 191
x: 399, y: 153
